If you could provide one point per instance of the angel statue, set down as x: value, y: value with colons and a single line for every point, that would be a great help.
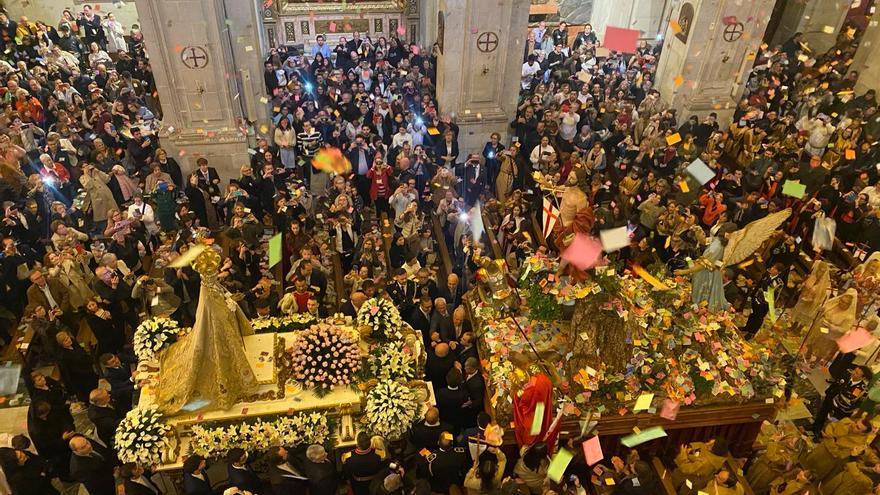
x: 729, y: 247
x: 208, y: 366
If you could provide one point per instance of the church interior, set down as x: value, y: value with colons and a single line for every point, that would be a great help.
x: 459, y: 247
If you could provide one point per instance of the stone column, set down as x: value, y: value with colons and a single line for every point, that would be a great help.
x: 205, y: 57
x: 479, y: 69
x: 645, y: 15
x: 866, y: 59
x: 819, y: 20
x: 705, y: 64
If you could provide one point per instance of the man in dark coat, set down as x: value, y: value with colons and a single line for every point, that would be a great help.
x: 451, y: 400
x: 284, y: 478
x: 240, y: 474
x: 362, y: 465
x: 420, y: 318
x: 320, y: 470
x: 104, y: 416
x: 476, y: 387
x: 92, y: 465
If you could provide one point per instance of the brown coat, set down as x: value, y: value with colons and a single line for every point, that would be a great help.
x: 36, y: 297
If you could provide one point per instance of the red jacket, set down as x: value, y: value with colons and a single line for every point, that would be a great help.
x: 379, y: 178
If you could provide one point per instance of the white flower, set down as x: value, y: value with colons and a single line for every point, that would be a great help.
x: 153, y: 335
x: 391, y: 409
x: 141, y: 436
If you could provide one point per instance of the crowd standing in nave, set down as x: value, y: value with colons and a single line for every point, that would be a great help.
x: 94, y: 210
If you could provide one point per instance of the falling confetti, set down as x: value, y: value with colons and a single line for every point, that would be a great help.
x: 675, y: 26
x: 678, y: 80
x: 332, y: 27
x: 401, y: 30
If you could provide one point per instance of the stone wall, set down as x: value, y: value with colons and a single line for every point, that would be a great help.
x: 575, y: 11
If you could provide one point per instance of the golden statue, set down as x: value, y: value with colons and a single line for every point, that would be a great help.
x: 207, y: 368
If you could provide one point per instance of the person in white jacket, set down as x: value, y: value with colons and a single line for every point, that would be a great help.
x: 144, y: 211
x: 541, y: 152
x: 820, y: 130
x: 529, y: 69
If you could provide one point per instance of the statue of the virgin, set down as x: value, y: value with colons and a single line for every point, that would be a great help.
x: 207, y: 368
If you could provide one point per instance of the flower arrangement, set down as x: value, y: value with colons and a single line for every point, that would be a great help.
x: 283, y: 324
x: 290, y: 431
x: 324, y: 356
x: 391, y: 409
x: 143, y: 437
x: 393, y: 361
x: 154, y: 335
x: 381, y: 317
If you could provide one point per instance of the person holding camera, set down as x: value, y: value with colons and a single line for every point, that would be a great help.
x: 380, y: 186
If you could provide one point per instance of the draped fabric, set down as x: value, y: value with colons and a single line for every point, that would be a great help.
x: 208, y: 367
x: 708, y: 284
x: 537, y: 390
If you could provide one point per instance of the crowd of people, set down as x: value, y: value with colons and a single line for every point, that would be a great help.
x: 94, y: 210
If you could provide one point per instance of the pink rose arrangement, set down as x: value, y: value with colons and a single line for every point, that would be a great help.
x: 324, y: 356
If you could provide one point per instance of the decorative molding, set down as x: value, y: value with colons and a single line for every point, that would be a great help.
x: 305, y: 28
x: 378, y: 25
x: 270, y: 36
x: 298, y: 7
x: 392, y: 25
x: 290, y: 32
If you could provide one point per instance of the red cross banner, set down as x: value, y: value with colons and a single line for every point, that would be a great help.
x: 551, y: 214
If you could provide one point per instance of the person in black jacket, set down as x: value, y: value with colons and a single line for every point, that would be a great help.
x: 320, y: 470
x: 284, y: 478
x: 47, y: 429
x: 362, y: 465
x: 117, y: 372
x: 137, y: 481
x: 476, y: 387
x: 76, y: 367
x: 195, y: 476
x: 420, y: 318
x: 92, y: 465
x: 451, y: 400
x: 240, y: 474
x: 26, y: 472
x: 103, y: 414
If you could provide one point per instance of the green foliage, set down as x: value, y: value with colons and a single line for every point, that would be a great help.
x: 542, y: 306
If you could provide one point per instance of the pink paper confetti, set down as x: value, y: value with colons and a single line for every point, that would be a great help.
x: 593, y: 451
x: 474, y: 30
x: 728, y: 20
x: 401, y: 30
x: 669, y: 410
x: 583, y: 252
x: 854, y: 340
x: 332, y: 27
x: 374, y: 310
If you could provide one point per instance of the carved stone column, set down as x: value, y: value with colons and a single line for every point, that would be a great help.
x: 707, y: 54
x: 819, y: 20
x: 205, y: 58
x: 479, y: 69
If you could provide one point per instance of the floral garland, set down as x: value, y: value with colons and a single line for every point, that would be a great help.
x: 290, y: 431
x: 391, y: 409
x: 142, y: 437
x: 283, y: 324
x: 325, y: 356
x: 154, y: 335
x: 382, y: 318
x: 393, y: 361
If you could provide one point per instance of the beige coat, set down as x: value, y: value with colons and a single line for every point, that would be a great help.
x: 98, y: 195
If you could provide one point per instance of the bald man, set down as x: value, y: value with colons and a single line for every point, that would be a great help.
x: 452, y: 291
x: 92, y: 465
x: 440, y: 361
x: 426, y: 433
x: 354, y: 303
